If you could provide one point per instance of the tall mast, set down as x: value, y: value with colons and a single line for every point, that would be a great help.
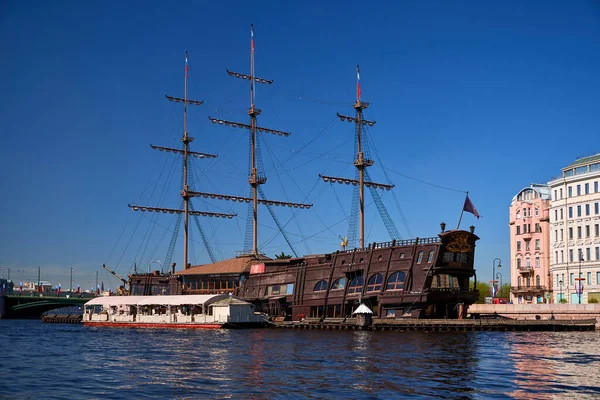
x: 186, y: 141
x: 361, y: 161
x: 186, y: 153
x: 256, y: 177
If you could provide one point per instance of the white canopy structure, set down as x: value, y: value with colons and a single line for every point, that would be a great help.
x: 201, y: 299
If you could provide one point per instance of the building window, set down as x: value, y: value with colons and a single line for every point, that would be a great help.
x: 560, y: 193
x: 570, y: 212
x: 518, y: 263
x: 570, y: 233
x: 537, y: 228
x: 537, y: 244
x: 527, y: 245
x: 537, y: 212
x: 587, y: 231
x: 572, y: 278
x: 430, y: 256
x: 596, y: 187
x: 556, y: 215
x: 588, y: 254
x: 562, y: 256
x: 561, y: 214
x: 587, y: 209
x: 518, y: 214
x: 527, y: 263
x: 598, y: 254
x: 339, y: 284
x: 556, y: 235
x: 518, y: 245
x: 396, y: 281
x: 375, y: 282
x: 537, y: 281
x: 561, y: 234
x: 597, y: 230
x: 578, y: 232
x: 589, y: 278
x: 537, y: 262
x: 518, y: 229
x: 571, y: 255
x: 579, y: 211
x: 578, y: 190
x: 356, y: 285
x: 596, y: 208
x: 587, y: 188
x: 556, y: 257
x: 420, y: 257
x: 570, y: 189
x: 321, y: 286
x: 597, y: 278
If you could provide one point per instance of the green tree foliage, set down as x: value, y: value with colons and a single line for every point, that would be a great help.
x: 484, y: 291
x: 282, y: 256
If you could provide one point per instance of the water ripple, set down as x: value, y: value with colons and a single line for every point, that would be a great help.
x: 71, y: 361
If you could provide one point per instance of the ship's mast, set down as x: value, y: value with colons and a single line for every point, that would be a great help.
x: 361, y: 161
x: 256, y: 177
x: 186, y: 153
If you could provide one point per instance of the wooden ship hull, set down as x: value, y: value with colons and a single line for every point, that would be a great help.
x: 419, y: 278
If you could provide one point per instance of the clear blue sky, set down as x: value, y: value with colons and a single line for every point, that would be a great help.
x: 479, y: 96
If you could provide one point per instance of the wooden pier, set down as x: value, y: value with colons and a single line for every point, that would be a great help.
x: 62, y: 318
x: 445, y: 325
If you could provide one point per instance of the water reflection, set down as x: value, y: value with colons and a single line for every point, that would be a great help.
x: 156, y: 363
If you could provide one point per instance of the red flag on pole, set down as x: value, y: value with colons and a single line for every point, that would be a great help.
x: 252, y: 36
x: 186, y: 65
x: 357, y: 83
x: 469, y: 207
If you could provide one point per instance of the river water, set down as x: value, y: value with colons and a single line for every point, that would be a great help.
x: 56, y: 361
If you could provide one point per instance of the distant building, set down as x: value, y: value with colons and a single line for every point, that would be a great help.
x: 529, y: 245
x: 575, y: 231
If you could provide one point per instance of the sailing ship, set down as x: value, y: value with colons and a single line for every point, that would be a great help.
x: 417, y: 278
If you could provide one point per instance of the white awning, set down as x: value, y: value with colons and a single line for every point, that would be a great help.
x: 156, y: 300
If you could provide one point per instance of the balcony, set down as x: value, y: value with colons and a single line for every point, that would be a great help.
x: 525, y: 269
x: 528, y: 289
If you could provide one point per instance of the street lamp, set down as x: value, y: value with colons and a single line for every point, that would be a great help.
x: 71, y: 282
x: 500, y: 275
x: 579, y: 278
x: 560, y: 283
x: 494, y: 275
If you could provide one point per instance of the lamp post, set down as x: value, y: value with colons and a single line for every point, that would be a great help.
x: 579, y: 278
x: 494, y: 275
x: 560, y: 283
x: 71, y: 282
x: 498, y: 274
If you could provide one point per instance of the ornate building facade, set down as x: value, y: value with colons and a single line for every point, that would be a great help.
x: 575, y: 232
x: 530, y: 278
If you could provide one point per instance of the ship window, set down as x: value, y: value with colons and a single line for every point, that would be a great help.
x: 362, y: 259
x: 380, y: 258
x: 420, y: 257
x: 374, y: 284
x: 356, y: 285
x: 396, y: 281
x: 343, y: 262
x: 401, y: 255
x: 430, y: 256
x: 339, y: 284
x: 321, y: 286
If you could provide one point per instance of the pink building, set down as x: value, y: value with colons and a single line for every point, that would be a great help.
x: 529, y: 245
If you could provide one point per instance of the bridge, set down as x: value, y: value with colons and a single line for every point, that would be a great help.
x: 34, y: 306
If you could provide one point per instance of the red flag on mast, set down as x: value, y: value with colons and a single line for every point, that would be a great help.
x: 469, y: 207
x: 252, y: 36
x: 357, y: 83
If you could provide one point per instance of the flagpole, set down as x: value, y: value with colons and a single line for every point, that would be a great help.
x: 461, y: 213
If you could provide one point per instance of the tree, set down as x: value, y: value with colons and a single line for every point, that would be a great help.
x: 484, y: 291
x: 282, y: 256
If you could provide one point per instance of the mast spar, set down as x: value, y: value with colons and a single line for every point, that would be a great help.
x: 186, y: 153
x: 256, y: 177
x: 361, y: 162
